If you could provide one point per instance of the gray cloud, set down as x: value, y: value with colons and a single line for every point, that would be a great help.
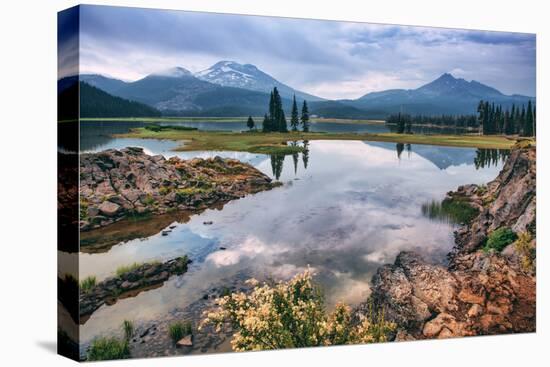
x: 331, y: 59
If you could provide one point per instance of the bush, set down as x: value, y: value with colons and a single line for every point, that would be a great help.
x: 108, y: 348
x: 526, y: 253
x: 87, y: 284
x: 291, y: 315
x: 179, y: 330
x: 500, y: 238
x: 128, y: 329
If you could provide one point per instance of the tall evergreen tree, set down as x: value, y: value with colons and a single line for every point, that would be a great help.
x: 305, y: 117
x: 294, y: 120
x: 250, y: 123
x: 266, y: 124
x: 522, y: 120
x: 528, y: 129
x: 282, y: 122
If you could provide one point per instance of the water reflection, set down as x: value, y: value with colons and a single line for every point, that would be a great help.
x: 490, y: 157
x: 351, y: 207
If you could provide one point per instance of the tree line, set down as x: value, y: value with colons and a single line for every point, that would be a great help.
x: 495, y: 119
x: 491, y: 119
x: 275, y: 120
x: 404, y: 122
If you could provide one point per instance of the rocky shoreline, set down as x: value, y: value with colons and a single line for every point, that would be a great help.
x: 481, y: 291
x: 118, y: 184
x: 130, y: 284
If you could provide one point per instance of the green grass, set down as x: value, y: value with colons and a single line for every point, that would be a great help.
x: 124, y: 269
x: 499, y: 239
x: 103, y: 349
x: 128, y: 329
x: 178, y: 330
x: 88, y: 283
x: 273, y: 143
x: 452, y: 210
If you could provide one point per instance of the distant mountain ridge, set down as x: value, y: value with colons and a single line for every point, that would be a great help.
x: 444, y: 95
x: 228, y: 88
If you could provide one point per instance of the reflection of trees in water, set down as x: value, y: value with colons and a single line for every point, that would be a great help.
x: 490, y: 157
x: 305, y: 153
x: 399, y: 147
x: 295, y: 157
x: 277, y: 160
x: 95, y: 134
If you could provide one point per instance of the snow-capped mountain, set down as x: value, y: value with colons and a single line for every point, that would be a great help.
x: 175, y: 72
x: 247, y: 76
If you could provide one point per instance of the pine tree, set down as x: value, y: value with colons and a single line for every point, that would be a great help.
x: 294, y: 121
x: 305, y: 117
x: 282, y: 122
x: 250, y: 123
x: 266, y: 124
x: 522, y: 120
x: 528, y: 128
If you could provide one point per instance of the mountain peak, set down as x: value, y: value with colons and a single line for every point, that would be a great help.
x: 447, y: 76
x: 230, y: 73
x: 174, y: 72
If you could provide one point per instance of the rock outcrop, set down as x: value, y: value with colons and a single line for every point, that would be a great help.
x: 479, y: 292
x: 115, y: 184
x: 130, y: 284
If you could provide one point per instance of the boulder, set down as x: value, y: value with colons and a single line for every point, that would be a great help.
x: 109, y: 209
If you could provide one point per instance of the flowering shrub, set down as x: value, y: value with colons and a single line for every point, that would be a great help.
x: 291, y: 315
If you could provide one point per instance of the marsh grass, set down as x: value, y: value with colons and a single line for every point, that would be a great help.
x: 272, y: 143
x: 88, y: 283
x: 128, y: 329
x: 451, y: 210
x: 125, y: 269
x: 103, y: 349
x: 178, y: 330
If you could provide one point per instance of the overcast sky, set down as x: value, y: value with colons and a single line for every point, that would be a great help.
x: 325, y: 58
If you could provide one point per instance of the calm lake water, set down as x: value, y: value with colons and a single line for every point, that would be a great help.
x: 346, y: 208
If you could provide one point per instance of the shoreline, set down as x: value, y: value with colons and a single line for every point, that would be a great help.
x: 273, y: 143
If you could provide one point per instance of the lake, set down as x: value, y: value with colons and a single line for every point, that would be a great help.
x: 345, y: 209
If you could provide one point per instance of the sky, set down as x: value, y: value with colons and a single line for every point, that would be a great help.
x: 329, y: 59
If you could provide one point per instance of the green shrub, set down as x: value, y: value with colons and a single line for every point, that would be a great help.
x: 500, y: 238
x: 87, y: 284
x: 178, y: 330
x: 128, y: 329
x: 108, y: 348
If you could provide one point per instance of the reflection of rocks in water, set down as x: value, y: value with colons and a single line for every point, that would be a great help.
x: 102, y: 239
x: 142, y: 278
